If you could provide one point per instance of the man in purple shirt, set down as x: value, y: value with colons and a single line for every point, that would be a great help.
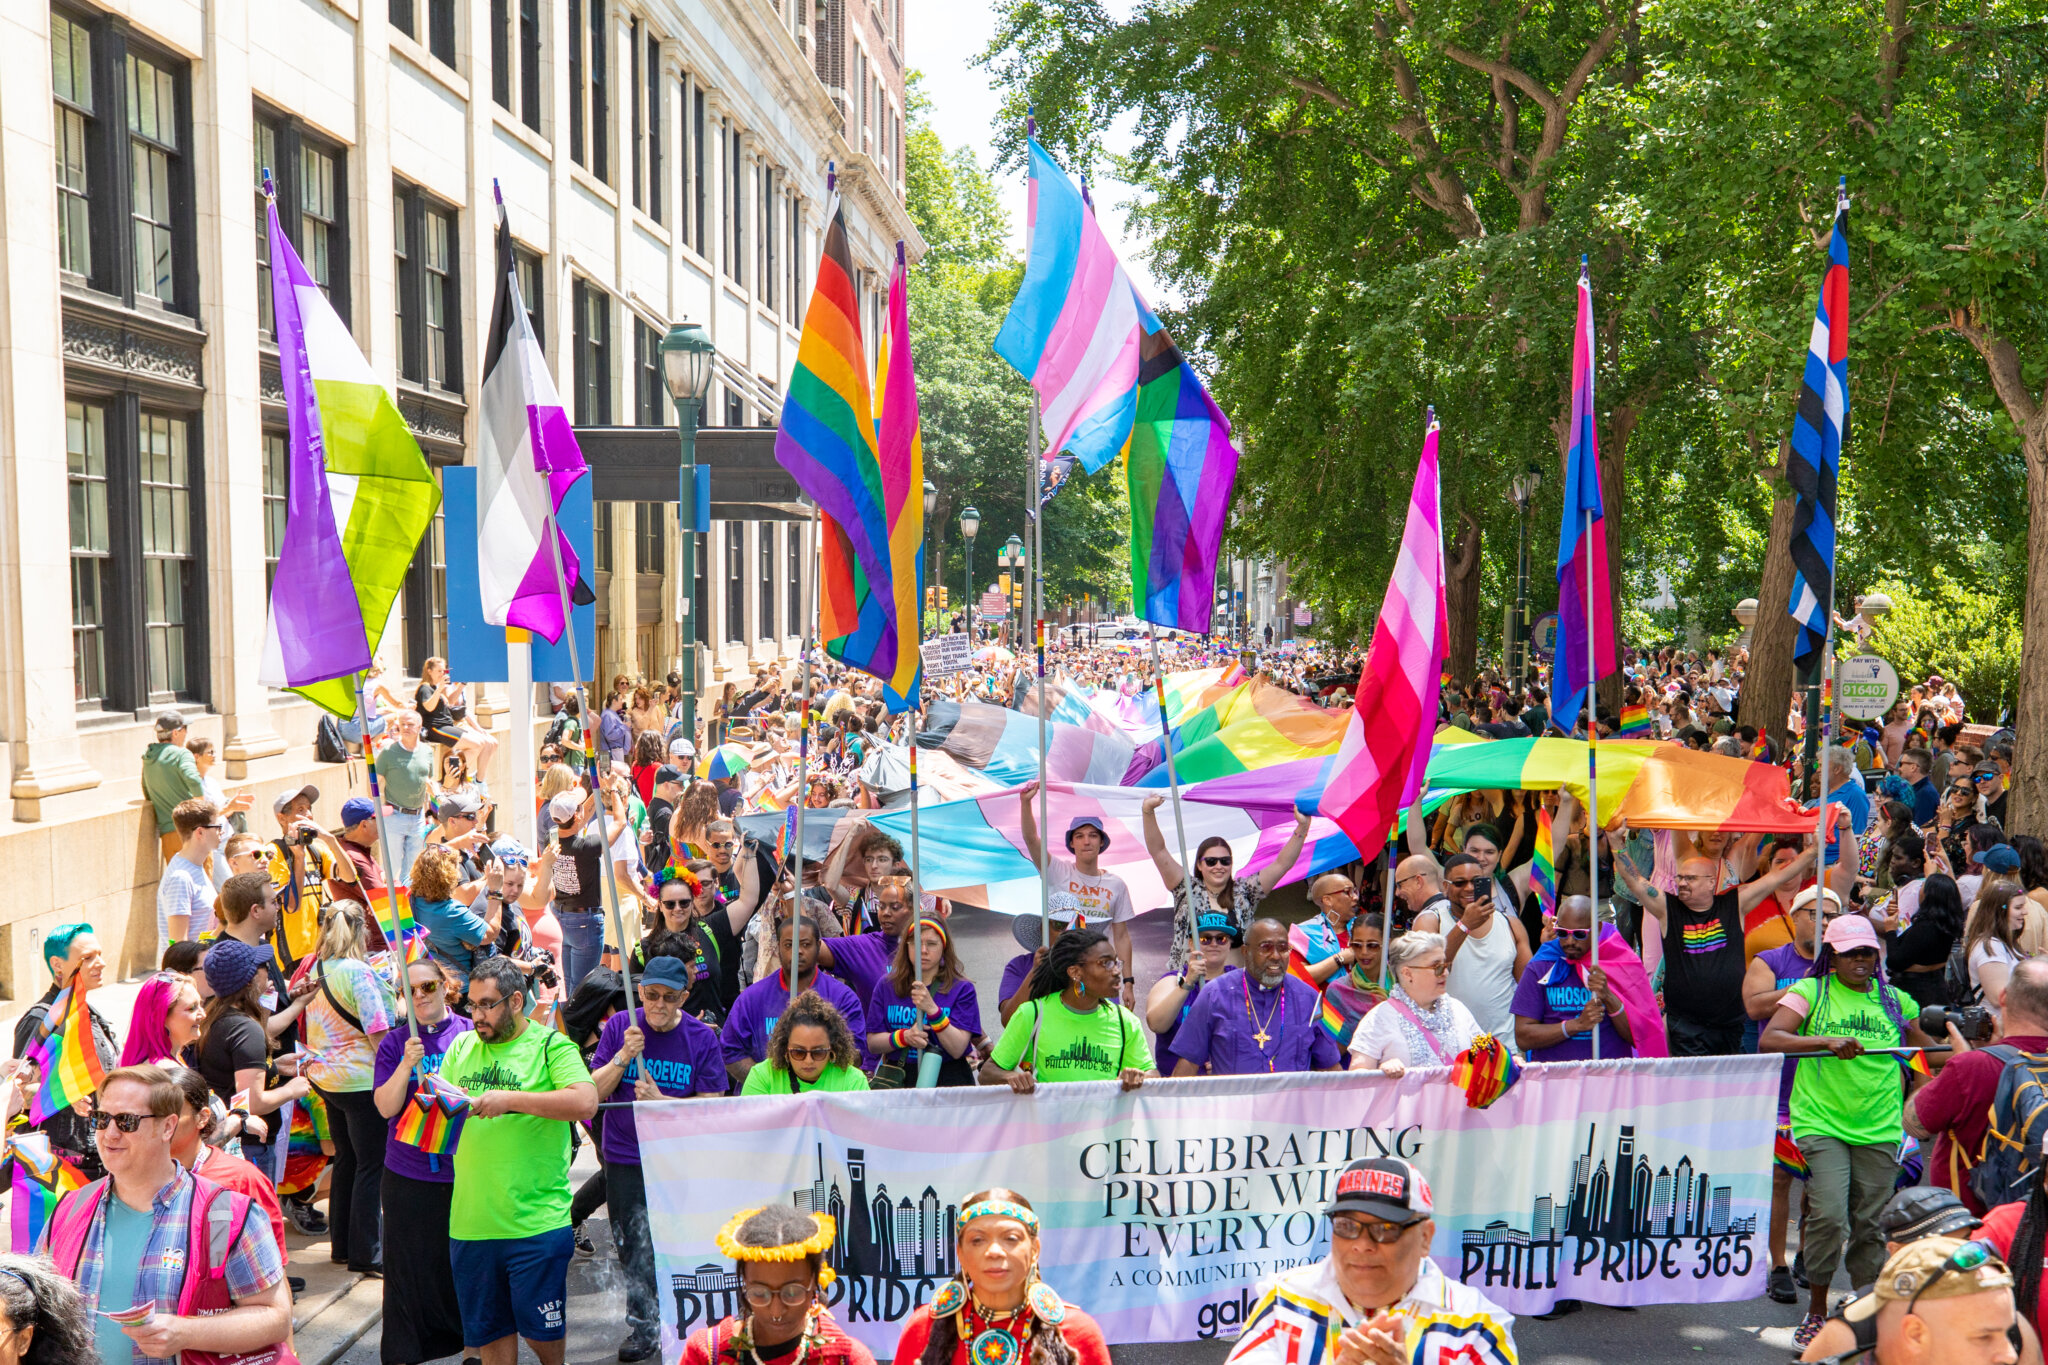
x: 1556, y: 1010
x: 1256, y: 1018
x: 862, y: 960
x: 754, y: 1014
x: 662, y: 1053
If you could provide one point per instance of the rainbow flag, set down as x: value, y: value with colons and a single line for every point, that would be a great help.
x: 1181, y: 467
x: 393, y: 909
x: 432, y: 1118
x: 787, y: 832
x: 67, y: 1057
x: 868, y: 485
x: 1485, y: 1071
x: 1543, y: 865
x: 40, y: 1179
x: 1787, y: 1156
x: 305, y: 1149
x: 1636, y: 722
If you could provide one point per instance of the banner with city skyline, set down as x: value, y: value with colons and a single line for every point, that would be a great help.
x: 1624, y: 1183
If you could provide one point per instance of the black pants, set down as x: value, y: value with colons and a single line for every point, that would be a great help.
x: 590, y: 1197
x: 626, y: 1201
x: 353, y: 1194
x: 1689, y: 1039
x: 422, y: 1320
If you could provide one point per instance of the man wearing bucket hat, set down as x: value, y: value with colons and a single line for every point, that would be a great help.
x: 1104, y: 897
x: 1378, y: 1298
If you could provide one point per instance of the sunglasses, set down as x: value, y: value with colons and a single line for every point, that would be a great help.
x: 1215, y: 862
x: 1967, y: 1258
x: 810, y: 1054
x: 660, y: 995
x: 426, y: 988
x: 675, y: 900
x: 718, y: 846
x: 1216, y: 940
x: 1440, y: 968
x: 1351, y: 1229
x: 1575, y: 933
x: 127, y: 1123
x: 1983, y: 777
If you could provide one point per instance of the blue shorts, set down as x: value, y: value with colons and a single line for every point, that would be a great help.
x: 513, y: 1284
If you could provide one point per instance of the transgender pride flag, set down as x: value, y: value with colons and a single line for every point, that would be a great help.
x: 1074, y: 328
x: 527, y: 460
x: 1384, y: 756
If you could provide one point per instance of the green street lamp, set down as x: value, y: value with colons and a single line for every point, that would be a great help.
x: 1013, y: 551
x: 686, y: 356
x: 970, y: 523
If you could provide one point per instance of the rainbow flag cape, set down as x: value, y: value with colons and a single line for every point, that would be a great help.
x: 1543, y: 865
x: 66, y: 1056
x: 1636, y: 723
x: 432, y: 1118
x: 361, y: 496
x: 1181, y: 467
x: 869, y: 491
x: 1485, y: 1071
x: 40, y: 1179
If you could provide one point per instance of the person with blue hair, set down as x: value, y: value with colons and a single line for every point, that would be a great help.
x: 73, y: 955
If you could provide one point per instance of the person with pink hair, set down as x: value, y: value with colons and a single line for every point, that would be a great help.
x: 165, y: 1023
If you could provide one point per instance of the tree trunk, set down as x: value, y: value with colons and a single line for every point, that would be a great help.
x: 1767, y: 682
x: 1461, y: 601
x: 2028, y: 807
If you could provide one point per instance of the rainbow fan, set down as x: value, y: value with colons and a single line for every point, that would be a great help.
x: 432, y: 1119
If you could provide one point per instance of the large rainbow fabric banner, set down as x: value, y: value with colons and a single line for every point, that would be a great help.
x: 871, y: 519
x: 360, y: 496
x: 1165, y: 1209
x: 40, y: 1178
x: 1650, y: 785
x: 1074, y: 328
x: 1250, y: 726
x: 1180, y: 469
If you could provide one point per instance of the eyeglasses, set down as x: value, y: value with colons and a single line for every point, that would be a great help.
x: 426, y: 988
x: 1347, y: 891
x: 127, y: 1123
x: 809, y: 1054
x: 479, y: 1004
x: 1351, y: 1229
x: 1215, y: 862
x: 658, y: 995
x: 1440, y: 968
x: 760, y: 1295
x: 1966, y: 1258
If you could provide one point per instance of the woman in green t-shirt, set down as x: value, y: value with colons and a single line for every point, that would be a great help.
x: 1072, y: 1028
x: 810, y: 1049
x: 1847, y: 1108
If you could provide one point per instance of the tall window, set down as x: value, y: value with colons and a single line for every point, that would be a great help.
x: 700, y: 589
x: 735, y: 208
x: 770, y: 231
x: 764, y: 535
x: 85, y: 443
x: 71, y: 72
x: 425, y: 596
x: 168, y: 564
x: 276, y: 489
x: 793, y: 261
x: 735, y: 408
x: 650, y: 537
x: 531, y: 289
x: 311, y: 208
x: 735, y: 582
x: 648, y: 192
x: 648, y: 388
x: 589, y: 88
x: 438, y: 19
x: 796, y: 581
x: 601, y: 537
x: 154, y: 150
x: 515, y: 59
x: 591, y: 340
x: 699, y: 169
x: 429, y: 292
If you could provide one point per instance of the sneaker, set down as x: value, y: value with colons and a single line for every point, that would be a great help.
x: 1808, y: 1328
x: 1563, y: 1308
x: 306, y: 1218
x: 584, y: 1246
x: 1781, y: 1288
x: 637, y: 1348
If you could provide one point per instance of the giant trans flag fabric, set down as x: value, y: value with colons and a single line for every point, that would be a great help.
x: 360, y: 497
x: 828, y: 441
x: 1181, y: 467
x: 1166, y: 1208
x: 1073, y: 330
x: 527, y: 460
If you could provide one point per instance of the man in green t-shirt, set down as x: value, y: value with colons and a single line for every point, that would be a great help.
x: 508, y: 1225
x: 1078, y: 1033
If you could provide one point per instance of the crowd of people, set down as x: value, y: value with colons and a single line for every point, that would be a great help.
x: 282, y: 1007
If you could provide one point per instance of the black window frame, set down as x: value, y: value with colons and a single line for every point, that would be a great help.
x: 657, y: 196
x: 648, y: 386
x: 291, y: 142
x: 735, y: 199
x: 591, y: 354
x: 697, y: 177
x: 795, y: 554
x: 735, y: 582
x: 515, y: 59
x: 650, y: 538
x: 533, y: 290
x: 764, y: 556
x: 439, y: 39
x: 74, y: 203
x: 425, y: 593
x: 413, y: 206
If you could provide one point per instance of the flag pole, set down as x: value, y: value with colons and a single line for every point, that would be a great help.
x: 1180, y: 833
x: 1032, y: 510
x: 1592, y: 751
x: 412, y: 1023
x: 610, y: 885
x: 1387, y: 915
x: 803, y: 752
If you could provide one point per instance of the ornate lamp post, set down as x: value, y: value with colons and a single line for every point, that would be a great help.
x: 686, y: 356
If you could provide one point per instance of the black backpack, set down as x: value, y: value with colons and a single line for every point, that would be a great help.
x: 1962, y: 992
x: 329, y: 744
x: 2010, y: 1161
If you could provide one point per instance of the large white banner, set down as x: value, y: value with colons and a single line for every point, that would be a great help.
x: 1627, y: 1182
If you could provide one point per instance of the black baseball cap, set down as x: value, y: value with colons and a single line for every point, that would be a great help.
x: 1382, y: 1187
x: 1925, y: 1211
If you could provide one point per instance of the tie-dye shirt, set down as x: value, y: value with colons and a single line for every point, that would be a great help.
x: 1703, y: 962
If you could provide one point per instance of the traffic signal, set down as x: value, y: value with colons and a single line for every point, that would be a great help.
x: 931, y: 599
x: 943, y: 604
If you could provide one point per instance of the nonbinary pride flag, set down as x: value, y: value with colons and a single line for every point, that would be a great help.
x: 1074, y: 328
x: 527, y: 460
x: 1385, y: 751
x: 360, y: 497
x: 1582, y: 540
x: 1819, y: 427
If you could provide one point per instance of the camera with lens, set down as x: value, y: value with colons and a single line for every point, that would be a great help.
x: 1973, y: 1022
x: 305, y: 836
x: 543, y: 974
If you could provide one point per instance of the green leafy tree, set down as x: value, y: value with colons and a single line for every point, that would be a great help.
x: 1939, y: 625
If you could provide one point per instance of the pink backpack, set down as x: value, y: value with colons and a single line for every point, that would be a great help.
x: 220, y: 1213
